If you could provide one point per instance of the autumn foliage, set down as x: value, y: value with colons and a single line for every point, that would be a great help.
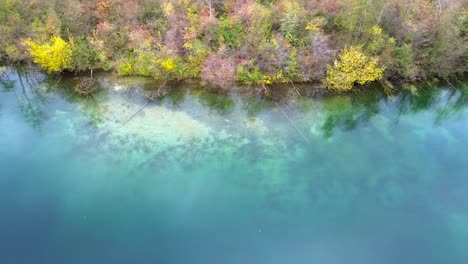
x: 219, y: 71
x: 352, y: 67
x: 53, y: 55
x: 258, y: 42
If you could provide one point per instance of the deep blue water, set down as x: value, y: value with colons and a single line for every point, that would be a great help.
x: 210, y: 176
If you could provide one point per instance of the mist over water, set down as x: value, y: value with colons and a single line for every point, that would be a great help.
x: 211, y: 176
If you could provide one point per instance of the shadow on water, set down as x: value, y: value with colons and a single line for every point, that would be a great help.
x: 6, y: 83
x: 456, y: 100
x: 346, y: 112
x: 342, y: 112
x: 90, y: 105
x: 176, y: 96
x: 26, y: 85
x: 34, y: 91
x: 221, y: 103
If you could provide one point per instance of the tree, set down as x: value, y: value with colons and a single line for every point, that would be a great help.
x: 83, y: 56
x: 268, y: 40
x: 210, y: 6
x: 352, y: 67
x: 53, y: 56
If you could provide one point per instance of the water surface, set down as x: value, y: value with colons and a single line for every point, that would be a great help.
x: 211, y: 176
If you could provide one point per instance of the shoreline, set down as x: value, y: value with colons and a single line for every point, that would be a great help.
x: 274, y: 91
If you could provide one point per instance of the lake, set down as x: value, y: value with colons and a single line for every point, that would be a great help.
x: 205, y: 175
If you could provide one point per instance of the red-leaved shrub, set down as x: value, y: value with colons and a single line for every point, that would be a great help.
x: 219, y: 71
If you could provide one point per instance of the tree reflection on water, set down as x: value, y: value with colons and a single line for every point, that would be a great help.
x: 340, y: 112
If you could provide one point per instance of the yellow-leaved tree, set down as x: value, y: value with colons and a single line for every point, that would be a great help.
x: 53, y: 56
x: 352, y: 67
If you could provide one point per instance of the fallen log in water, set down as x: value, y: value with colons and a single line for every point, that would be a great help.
x: 85, y: 87
x: 134, y: 114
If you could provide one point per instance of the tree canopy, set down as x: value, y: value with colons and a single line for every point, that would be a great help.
x: 248, y: 41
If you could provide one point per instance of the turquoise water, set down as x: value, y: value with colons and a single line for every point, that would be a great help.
x: 211, y: 176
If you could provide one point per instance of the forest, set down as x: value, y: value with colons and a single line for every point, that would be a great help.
x: 339, y: 44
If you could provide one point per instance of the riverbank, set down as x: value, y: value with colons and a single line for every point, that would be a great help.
x: 153, y: 89
x: 338, y: 43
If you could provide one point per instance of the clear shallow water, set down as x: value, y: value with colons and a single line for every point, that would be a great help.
x: 216, y: 177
